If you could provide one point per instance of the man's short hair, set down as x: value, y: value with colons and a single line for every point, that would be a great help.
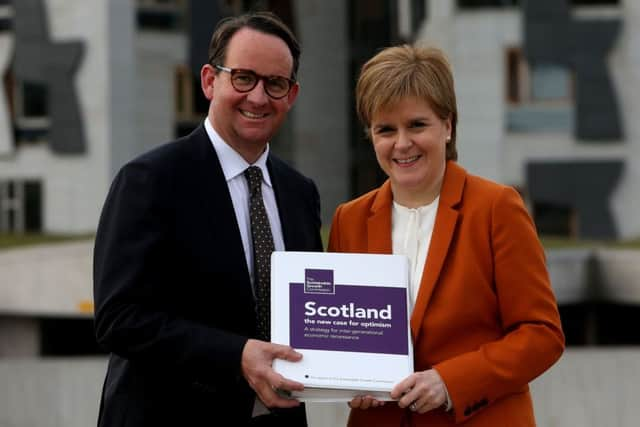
x: 265, y: 22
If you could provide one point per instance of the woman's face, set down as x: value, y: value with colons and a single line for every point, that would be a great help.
x: 410, y: 144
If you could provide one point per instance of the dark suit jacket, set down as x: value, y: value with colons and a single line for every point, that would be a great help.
x: 485, y: 316
x: 172, y: 292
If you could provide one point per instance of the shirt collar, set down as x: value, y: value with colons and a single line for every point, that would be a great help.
x: 232, y: 163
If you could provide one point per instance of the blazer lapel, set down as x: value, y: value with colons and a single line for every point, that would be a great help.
x: 218, y: 206
x: 379, y: 223
x: 444, y: 227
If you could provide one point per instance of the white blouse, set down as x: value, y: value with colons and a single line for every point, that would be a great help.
x: 411, y: 230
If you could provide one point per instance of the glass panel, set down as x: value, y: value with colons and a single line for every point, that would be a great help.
x: 33, y: 206
x: 549, y: 82
x: 35, y: 100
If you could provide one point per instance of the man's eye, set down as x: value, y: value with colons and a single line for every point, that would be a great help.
x: 278, y: 83
x: 244, y: 78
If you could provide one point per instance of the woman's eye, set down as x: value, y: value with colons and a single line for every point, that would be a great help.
x: 384, y: 129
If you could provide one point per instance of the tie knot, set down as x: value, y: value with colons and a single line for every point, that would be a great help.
x: 253, y: 174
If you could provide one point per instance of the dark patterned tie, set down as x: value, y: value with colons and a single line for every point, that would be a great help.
x: 262, y: 248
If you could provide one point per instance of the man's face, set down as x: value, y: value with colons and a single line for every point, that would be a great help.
x: 247, y: 121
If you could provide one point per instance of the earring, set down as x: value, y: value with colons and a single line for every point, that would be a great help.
x: 448, y: 138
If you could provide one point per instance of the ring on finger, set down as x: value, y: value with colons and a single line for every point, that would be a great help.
x: 413, y: 407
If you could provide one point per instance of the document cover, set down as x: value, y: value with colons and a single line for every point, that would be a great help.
x: 348, y: 314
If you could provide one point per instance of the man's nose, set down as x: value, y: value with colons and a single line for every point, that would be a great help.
x: 258, y: 95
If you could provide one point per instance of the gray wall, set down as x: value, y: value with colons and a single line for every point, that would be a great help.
x: 122, y: 76
x: 321, y: 124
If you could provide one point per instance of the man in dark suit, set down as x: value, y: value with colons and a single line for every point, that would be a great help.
x: 174, y: 269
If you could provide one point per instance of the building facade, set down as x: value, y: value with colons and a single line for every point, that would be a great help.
x: 548, y: 95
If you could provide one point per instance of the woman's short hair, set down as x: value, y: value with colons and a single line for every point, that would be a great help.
x: 400, y: 72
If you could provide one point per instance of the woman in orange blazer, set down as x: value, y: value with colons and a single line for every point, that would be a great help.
x: 484, y: 318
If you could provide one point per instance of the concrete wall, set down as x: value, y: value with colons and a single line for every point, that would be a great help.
x: 586, y: 388
x: 47, y: 280
x: 53, y: 392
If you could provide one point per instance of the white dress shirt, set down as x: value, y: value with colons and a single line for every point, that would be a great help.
x: 411, y: 230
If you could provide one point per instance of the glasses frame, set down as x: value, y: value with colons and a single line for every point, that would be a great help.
x: 265, y: 80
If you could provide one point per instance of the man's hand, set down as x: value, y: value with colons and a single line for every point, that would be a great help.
x: 257, y: 358
x: 420, y: 391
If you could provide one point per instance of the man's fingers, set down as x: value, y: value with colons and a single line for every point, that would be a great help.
x: 276, y: 380
x: 271, y: 399
x: 257, y: 359
x: 285, y: 352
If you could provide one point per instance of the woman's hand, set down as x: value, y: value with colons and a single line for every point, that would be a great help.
x: 420, y: 391
x: 365, y: 402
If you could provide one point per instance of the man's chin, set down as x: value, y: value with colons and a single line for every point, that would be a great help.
x: 256, y: 138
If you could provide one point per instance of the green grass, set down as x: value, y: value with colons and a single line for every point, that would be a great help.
x: 10, y: 241
x: 550, y: 242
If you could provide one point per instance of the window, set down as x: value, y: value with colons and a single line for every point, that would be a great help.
x: 475, y: 4
x: 550, y: 83
x: 183, y: 93
x: 593, y: 2
x: 517, y: 77
x: 161, y: 14
x: 29, y: 106
x: 190, y: 104
x: 20, y: 206
x: 539, y: 98
x: 555, y: 220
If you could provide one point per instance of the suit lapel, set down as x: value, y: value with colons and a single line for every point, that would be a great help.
x: 218, y: 206
x: 443, y: 230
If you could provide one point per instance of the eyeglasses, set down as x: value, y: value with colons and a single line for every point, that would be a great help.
x: 242, y: 80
